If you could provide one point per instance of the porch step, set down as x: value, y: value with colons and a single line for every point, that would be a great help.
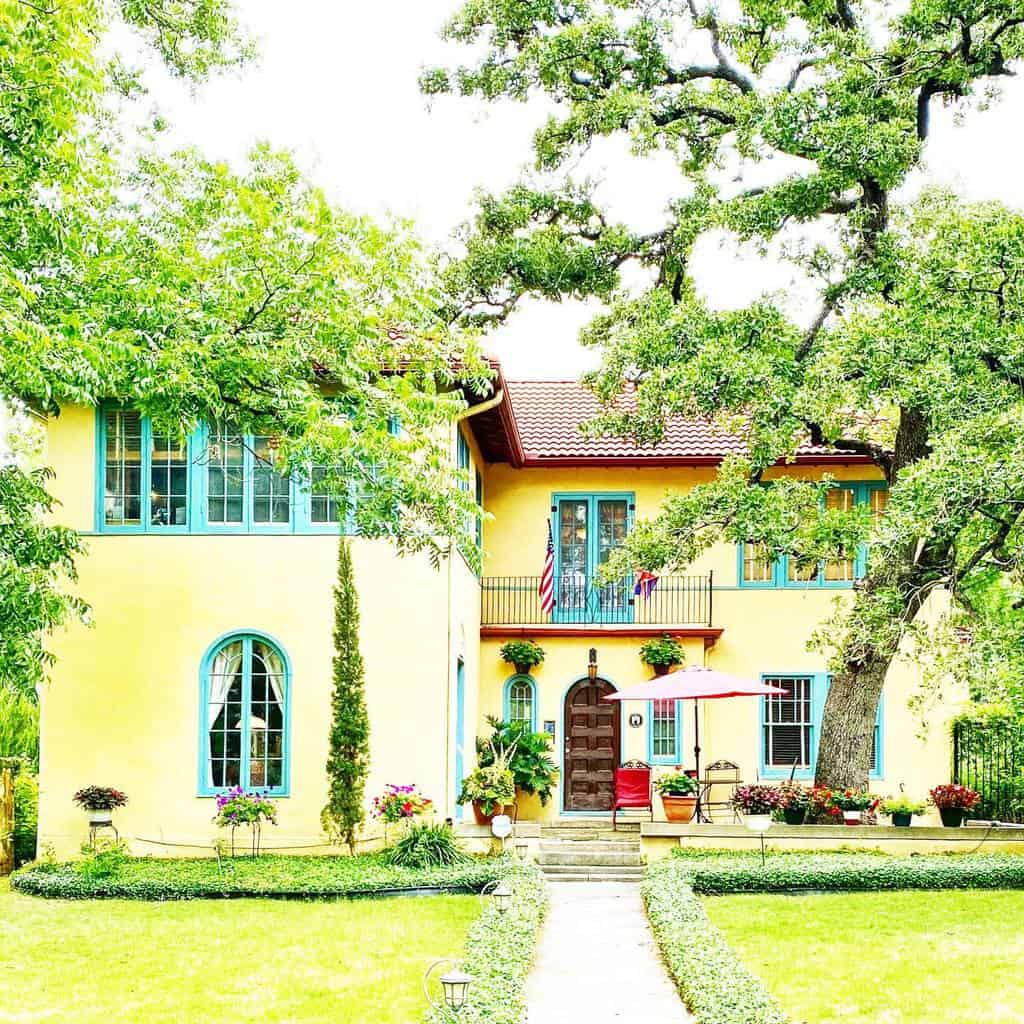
x: 592, y: 874
x: 584, y: 846
x: 590, y: 859
x: 590, y: 831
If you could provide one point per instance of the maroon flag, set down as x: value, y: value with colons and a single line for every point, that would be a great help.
x: 547, y: 577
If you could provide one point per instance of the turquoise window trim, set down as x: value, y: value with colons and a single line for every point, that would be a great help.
x: 820, y: 682
x: 299, y: 492
x: 506, y: 702
x: 593, y: 499
x: 652, y: 758
x: 204, y: 789
x: 780, y: 569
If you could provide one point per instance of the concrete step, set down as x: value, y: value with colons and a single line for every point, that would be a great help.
x: 590, y: 846
x: 573, y: 824
x: 578, y: 874
x: 602, y: 833
x: 590, y: 859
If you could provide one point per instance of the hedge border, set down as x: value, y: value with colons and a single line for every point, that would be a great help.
x: 378, y: 880
x: 499, y: 952
x: 714, y: 984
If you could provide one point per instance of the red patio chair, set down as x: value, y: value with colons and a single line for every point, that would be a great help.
x: 633, y: 788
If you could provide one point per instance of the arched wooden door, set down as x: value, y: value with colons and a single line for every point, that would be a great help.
x: 591, y: 730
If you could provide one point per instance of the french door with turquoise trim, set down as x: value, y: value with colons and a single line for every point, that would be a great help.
x: 587, y: 529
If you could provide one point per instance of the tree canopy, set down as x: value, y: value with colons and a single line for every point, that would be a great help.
x: 911, y: 358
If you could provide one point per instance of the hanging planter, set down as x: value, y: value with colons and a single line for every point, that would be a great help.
x: 662, y: 654
x: 954, y: 803
x: 523, y: 655
x: 902, y: 810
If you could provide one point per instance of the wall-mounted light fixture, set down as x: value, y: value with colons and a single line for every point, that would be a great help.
x: 592, y: 665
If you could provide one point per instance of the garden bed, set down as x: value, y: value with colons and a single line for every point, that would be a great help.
x: 716, y: 986
x: 268, y: 877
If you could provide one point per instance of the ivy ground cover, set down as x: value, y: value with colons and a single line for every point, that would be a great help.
x: 350, y: 962
x: 907, y: 957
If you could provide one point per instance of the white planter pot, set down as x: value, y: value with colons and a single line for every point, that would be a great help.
x: 758, y: 822
x: 851, y: 817
x: 100, y: 819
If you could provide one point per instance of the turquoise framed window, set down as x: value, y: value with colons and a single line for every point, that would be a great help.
x: 245, y: 716
x: 587, y: 528
x: 790, y: 725
x: 665, y: 732
x: 213, y: 481
x: 520, y: 701
x: 755, y: 569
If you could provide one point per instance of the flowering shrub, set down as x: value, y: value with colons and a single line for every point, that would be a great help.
x: 397, y: 803
x: 821, y: 805
x: 955, y: 796
x: 756, y: 799
x: 237, y: 807
x: 853, y: 800
x: 100, y: 798
x: 793, y: 796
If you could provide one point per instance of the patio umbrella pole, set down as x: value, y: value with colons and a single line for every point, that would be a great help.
x: 700, y: 815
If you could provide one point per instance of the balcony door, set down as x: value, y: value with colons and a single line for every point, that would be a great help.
x: 588, y: 528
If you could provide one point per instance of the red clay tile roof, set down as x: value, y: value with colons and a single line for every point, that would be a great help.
x: 548, y: 414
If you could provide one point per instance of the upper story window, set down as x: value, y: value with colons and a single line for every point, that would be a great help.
x: 244, y: 709
x: 215, y: 480
x: 756, y: 569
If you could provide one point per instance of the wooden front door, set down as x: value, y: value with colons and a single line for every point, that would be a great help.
x: 591, y: 746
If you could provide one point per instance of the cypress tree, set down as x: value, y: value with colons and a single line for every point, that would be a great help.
x: 348, y: 756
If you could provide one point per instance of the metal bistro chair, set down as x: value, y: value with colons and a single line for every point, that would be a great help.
x: 632, y: 788
x: 719, y: 774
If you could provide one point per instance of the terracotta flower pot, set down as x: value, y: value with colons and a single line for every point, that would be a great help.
x: 485, y: 819
x: 679, y: 808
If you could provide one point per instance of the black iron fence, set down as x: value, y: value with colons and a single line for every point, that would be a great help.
x: 989, y: 756
x: 581, y: 600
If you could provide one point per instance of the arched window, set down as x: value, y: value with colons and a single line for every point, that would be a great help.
x: 521, y: 701
x: 245, y: 682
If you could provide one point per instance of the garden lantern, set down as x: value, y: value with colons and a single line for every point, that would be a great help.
x: 455, y: 984
x: 501, y: 892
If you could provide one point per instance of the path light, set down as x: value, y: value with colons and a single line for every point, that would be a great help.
x: 455, y: 985
x: 501, y: 892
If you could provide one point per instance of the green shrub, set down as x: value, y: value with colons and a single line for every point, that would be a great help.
x: 426, y: 845
x: 523, y: 654
x: 26, y: 817
x: 531, y: 763
x: 713, y: 983
x: 663, y: 651
x: 277, y: 876
x: 499, y: 952
x: 103, y: 860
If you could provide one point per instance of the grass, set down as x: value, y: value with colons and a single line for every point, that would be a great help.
x: 883, y: 958
x: 213, y: 961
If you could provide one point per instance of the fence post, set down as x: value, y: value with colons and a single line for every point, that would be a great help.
x: 6, y: 821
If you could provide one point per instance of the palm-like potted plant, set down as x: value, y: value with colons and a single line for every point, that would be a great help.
x: 522, y: 654
x: 794, y: 802
x: 954, y: 803
x: 678, y: 792
x: 100, y: 802
x: 661, y: 653
x: 490, y: 790
x: 527, y: 754
x: 902, y: 809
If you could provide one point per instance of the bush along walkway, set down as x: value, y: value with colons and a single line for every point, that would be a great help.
x: 499, y: 951
x: 598, y: 962
x: 716, y: 987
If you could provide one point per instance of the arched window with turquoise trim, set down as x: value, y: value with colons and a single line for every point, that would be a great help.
x: 521, y: 701
x: 244, y: 716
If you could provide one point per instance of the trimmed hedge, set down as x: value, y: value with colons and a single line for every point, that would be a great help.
x: 848, y: 872
x: 714, y: 984
x: 499, y: 953
x: 281, y: 877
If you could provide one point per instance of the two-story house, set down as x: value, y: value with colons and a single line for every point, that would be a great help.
x: 208, y: 662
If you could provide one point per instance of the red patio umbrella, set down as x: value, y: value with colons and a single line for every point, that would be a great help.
x: 696, y: 683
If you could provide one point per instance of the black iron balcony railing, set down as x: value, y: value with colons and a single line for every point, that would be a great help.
x: 581, y: 600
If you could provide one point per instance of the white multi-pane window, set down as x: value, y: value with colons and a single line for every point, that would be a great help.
x: 122, y: 468
x: 245, y: 704
x: 665, y: 731
x: 521, y: 702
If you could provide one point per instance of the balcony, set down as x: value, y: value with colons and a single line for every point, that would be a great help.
x: 511, y: 604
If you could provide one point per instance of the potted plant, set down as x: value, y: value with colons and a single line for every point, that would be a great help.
x: 523, y: 654
x: 661, y: 653
x: 527, y: 754
x: 100, y: 802
x: 795, y: 801
x: 853, y: 803
x: 954, y: 802
x: 236, y: 808
x: 490, y: 790
x: 757, y: 802
x: 678, y: 793
x: 902, y: 809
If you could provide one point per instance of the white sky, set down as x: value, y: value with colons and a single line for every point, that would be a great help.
x: 337, y: 83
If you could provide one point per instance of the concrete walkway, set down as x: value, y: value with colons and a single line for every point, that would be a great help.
x: 597, y: 962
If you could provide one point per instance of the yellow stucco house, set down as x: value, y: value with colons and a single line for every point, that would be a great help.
x: 208, y: 662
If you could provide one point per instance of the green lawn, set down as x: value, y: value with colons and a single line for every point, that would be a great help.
x: 349, y: 962
x: 884, y: 958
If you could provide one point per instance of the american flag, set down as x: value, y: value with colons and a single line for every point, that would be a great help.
x: 547, y: 577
